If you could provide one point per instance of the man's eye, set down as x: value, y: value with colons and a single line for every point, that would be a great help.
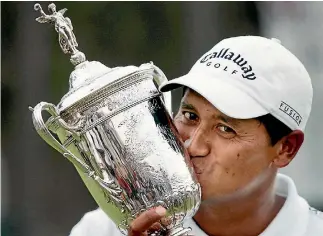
x: 190, y: 115
x: 225, y: 129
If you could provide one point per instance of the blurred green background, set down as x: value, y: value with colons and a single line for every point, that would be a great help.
x: 41, y: 192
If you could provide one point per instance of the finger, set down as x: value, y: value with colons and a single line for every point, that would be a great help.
x: 145, y: 220
x: 155, y: 227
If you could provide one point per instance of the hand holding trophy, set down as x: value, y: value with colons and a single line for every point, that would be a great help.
x: 114, y: 128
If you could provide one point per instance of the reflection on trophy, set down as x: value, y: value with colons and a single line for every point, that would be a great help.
x: 114, y: 127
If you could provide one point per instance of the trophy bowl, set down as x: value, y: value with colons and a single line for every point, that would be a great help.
x: 115, y: 129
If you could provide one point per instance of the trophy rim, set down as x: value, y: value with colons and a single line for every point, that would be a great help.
x: 78, y: 99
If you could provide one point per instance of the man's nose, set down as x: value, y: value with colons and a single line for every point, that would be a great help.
x: 198, y: 145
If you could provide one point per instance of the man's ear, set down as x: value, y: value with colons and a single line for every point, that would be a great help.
x: 287, y: 148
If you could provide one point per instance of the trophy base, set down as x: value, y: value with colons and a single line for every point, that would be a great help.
x: 178, y: 231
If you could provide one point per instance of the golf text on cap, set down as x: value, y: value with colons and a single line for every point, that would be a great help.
x: 225, y: 53
x: 291, y: 112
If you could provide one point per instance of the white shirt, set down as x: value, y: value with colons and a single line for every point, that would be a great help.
x: 296, y: 218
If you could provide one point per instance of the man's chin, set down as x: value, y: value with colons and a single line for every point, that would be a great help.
x: 217, y: 199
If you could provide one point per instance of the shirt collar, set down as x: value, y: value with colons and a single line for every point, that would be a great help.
x: 291, y: 219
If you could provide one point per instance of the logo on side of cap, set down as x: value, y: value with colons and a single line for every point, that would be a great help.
x: 225, y: 53
x: 287, y: 109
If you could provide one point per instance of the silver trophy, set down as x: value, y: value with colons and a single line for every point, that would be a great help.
x: 114, y: 127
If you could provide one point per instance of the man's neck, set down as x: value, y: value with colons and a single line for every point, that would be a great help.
x: 249, y: 215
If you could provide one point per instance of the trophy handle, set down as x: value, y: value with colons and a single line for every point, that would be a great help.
x: 160, y: 78
x: 45, y: 134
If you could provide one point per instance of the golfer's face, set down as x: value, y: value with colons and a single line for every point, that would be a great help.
x: 230, y: 156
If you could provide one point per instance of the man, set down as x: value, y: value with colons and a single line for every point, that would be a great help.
x: 242, y: 117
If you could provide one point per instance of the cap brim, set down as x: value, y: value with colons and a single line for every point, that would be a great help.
x: 227, y: 98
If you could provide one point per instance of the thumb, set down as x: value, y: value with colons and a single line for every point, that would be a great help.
x: 145, y: 220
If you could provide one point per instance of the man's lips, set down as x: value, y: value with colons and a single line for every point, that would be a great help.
x: 198, y: 170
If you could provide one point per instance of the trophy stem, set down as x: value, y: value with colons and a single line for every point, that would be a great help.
x: 179, y: 231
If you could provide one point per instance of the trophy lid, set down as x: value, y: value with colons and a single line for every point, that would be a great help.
x: 88, y: 76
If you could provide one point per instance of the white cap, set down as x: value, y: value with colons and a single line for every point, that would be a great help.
x: 250, y: 76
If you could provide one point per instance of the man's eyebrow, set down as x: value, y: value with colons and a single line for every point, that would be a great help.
x: 222, y: 117
x: 187, y: 106
x: 227, y: 119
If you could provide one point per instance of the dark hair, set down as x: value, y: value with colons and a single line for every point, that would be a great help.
x: 275, y: 128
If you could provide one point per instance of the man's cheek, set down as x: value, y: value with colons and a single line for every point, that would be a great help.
x: 231, y: 166
x: 178, y: 124
x: 183, y: 132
